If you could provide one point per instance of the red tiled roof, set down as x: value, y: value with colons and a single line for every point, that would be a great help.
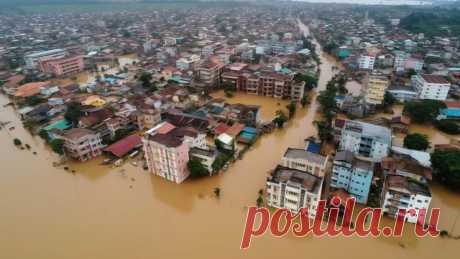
x: 124, y: 146
x: 435, y: 79
x: 221, y: 128
x: 235, y: 129
x: 452, y: 104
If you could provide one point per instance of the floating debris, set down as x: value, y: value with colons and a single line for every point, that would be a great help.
x: 133, y: 179
x: 34, y: 153
x: 27, y: 146
x: 66, y: 168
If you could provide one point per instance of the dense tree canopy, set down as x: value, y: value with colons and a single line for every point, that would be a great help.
x: 416, y: 141
x: 446, y: 165
x: 423, y: 111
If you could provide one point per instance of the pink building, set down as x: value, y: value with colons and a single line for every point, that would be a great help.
x: 62, y: 66
x: 166, y: 150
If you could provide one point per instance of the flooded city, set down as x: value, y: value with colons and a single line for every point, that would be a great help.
x: 99, y: 211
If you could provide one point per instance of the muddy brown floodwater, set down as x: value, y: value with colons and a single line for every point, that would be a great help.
x: 125, y: 212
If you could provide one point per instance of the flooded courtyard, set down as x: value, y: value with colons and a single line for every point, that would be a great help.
x: 125, y: 212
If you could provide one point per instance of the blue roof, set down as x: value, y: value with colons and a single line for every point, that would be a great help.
x: 250, y: 130
x: 451, y: 112
x: 313, y: 147
x: 61, y: 124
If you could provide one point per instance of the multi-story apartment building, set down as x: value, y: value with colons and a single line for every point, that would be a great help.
x: 166, y: 150
x: 364, y: 139
x: 62, y: 66
x: 401, y: 192
x: 270, y: 84
x: 303, y: 160
x: 81, y: 144
x: 404, y: 61
x: 210, y: 72
x: 294, y: 189
x: 352, y: 173
x: 366, y: 62
x: 375, y: 89
x: 32, y: 60
x: 433, y: 87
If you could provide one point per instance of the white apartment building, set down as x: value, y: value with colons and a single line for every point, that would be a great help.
x: 400, y: 192
x: 303, y: 160
x: 366, y: 62
x: 294, y: 189
x: 433, y: 87
x: 32, y: 60
x: 365, y: 139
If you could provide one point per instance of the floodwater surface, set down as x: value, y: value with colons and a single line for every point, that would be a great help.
x: 125, y: 212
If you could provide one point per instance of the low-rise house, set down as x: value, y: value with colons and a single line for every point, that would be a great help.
x: 353, y: 174
x: 81, y: 144
x: 294, y: 189
x: 206, y: 156
x: 303, y: 160
x: 124, y: 146
x: 403, y: 93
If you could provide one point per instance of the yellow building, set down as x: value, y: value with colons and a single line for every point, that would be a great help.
x: 94, y: 100
x: 375, y: 89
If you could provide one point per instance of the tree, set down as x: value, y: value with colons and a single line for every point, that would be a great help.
x: 220, y: 161
x: 44, y: 135
x: 310, y: 80
x: 57, y: 145
x: 388, y: 100
x: 448, y: 126
x: 17, y: 142
x: 416, y: 141
x: 292, y: 106
x: 73, y: 113
x: 145, y: 78
x: 446, y: 165
x: 196, y: 168
x: 304, y: 101
x: 280, y: 119
x: 325, y: 130
x: 217, y: 192
x: 423, y: 111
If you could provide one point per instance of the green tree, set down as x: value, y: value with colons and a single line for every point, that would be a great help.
x: 388, y: 100
x: 448, y: 126
x: 416, y: 141
x: 17, y: 142
x: 310, y: 80
x: 145, y: 78
x: 217, y: 192
x: 325, y: 130
x: 196, y: 168
x: 304, y: 101
x: 292, y: 107
x: 57, y: 145
x: 423, y: 111
x: 73, y: 113
x: 446, y: 165
x: 280, y: 118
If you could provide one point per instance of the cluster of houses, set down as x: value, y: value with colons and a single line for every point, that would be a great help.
x: 365, y: 161
x: 388, y: 59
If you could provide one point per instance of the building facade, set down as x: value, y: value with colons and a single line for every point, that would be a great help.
x: 166, y: 150
x: 352, y: 174
x: 32, y: 60
x: 400, y: 192
x: 81, y: 144
x: 294, y: 189
x: 375, y: 89
x: 366, y: 62
x: 62, y: 66
x: 433, y: 87
x: 365, y: 139
x: 303, y: 160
